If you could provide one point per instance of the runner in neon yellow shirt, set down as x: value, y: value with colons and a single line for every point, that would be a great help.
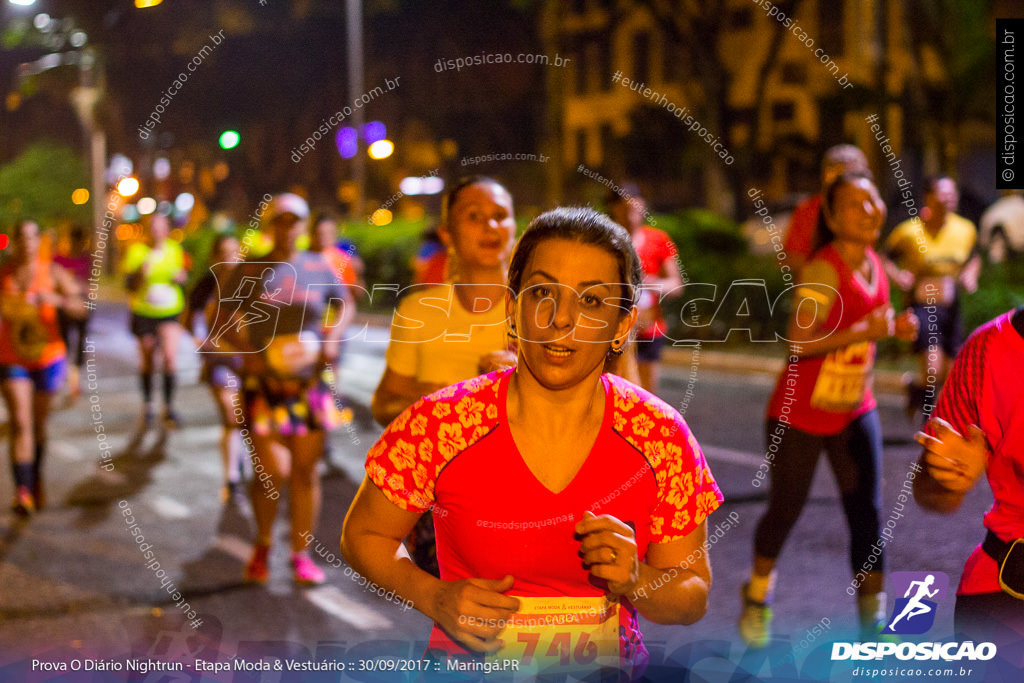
x: 154, y: 272
x: 933, y: 262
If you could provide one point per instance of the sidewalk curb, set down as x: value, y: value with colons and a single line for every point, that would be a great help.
x: 887, y: 381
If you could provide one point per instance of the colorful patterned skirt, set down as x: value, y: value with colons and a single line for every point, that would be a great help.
x: 292, y: 407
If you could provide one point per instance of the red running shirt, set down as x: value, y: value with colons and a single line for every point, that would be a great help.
x: 984, y: 389
x: 824, y: 394
x: 802, y: 226
x: 453, y: 451
x: 654, y: 247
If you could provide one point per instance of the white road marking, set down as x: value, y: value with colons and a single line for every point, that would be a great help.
x: 235, y: 547
x: 65, y: 450
x: 169, y: 508
x: 334, y: 602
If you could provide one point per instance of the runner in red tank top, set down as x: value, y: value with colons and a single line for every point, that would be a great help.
x: 823, y: 401
x: 658, y: 260
x: 31, y: 355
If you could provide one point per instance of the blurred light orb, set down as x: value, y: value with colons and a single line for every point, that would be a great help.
x: 417, y: 185
x: 120, y: 166
x: 130, y: 213
x: 143, y: 4
x: 381, y: 217
x: 381, y: 149
x: 162, y: 168
x: 41, y: 20
x: 229, y: 139
x: 412, y: 185
x: 433, y: 185
x: 80, y: 196
x: 374, y: 131
x: 128, y: 186
x: 146, y: 206
x: 221, y: 171
x: 347, y: 142
x: 184, y: 202
x: 78, y: 38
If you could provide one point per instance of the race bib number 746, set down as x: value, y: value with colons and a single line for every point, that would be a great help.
x: 562, y: 634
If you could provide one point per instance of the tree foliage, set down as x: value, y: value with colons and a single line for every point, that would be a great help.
x: 38, y: 185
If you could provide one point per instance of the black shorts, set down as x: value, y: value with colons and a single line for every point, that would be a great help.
x: 940, y: 326
x: 142, y: 326
x: 649, y: 350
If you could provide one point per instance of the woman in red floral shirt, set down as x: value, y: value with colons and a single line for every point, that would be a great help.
x: 529, y: 469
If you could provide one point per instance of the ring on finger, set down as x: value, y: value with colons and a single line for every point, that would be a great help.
x: 615, y: 554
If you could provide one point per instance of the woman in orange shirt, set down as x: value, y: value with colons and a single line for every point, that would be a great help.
x: 31, y: 354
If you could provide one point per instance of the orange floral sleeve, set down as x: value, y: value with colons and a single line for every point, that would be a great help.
x: 406, y: 460
x: 687, y: 492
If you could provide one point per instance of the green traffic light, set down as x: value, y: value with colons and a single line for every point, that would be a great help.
x: 229, y: 139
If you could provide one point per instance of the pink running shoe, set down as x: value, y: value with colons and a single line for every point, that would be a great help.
x: 256, y: 571
x: 304, y: 572
x: 24, y: 504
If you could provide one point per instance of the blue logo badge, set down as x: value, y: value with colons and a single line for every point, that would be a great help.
x: 914, y: 612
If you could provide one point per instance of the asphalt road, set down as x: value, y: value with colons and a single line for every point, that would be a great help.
x: 74, y: 584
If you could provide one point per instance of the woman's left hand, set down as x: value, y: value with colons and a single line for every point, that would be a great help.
x: 608, y: 549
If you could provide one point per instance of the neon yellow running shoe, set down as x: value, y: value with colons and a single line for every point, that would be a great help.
x: 755, y: 621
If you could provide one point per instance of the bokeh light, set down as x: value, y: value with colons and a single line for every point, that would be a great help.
x: 162, y: 168
x: 347, y: 142
x: 381, y: 149
x: 184, y: 202
x: 127, y: 187
x: 229, y: 139
x: 374, y: 131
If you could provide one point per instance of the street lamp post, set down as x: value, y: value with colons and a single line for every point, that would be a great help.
x: 354, y: 21
x: 85, y: 97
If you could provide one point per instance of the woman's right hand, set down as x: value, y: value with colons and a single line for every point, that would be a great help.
x: 904, y: 279
x: 907, y: 326
x: 474, y: 611
x: 496, y: 360
x: 953, y: 459
x: 880, y: 323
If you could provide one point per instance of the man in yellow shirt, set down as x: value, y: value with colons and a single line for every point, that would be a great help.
x: 931, y: 259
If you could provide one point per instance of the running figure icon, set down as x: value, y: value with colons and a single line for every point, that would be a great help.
x: 915, y: 606
x: 248, y: 309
